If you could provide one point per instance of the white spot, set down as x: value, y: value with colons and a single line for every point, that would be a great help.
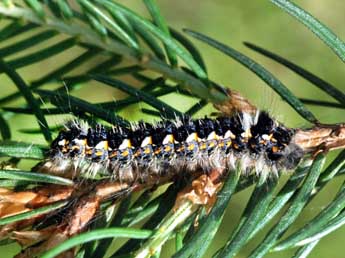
x: 100, y: 145
x: 192, y: 137
x: 228, y: 134
x: 125, y: 144
x: 168, y: 139
x: 212, y: 136
x: 146, y: 141
x: 79, y: 142
x: 246, y: 134
x: 62, y: 142
x: 266, y: 137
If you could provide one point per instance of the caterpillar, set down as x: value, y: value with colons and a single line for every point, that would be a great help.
x: 252, y: 141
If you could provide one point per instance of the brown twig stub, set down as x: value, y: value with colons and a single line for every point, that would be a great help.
x: 202, y: 191
x: 85, y: 203
x: 12, y: 203
x: 30, y: 237
x: 321, y: 137
x: 235, y: 103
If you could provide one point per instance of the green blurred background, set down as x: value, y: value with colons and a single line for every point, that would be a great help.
x: 232, y: 22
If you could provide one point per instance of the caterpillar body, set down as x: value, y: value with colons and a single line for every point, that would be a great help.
x: 254, y: 142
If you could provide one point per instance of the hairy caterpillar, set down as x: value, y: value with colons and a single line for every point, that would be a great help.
x: 253, y: 141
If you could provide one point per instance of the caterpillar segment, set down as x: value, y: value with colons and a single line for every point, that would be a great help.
x: 254, y: 141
